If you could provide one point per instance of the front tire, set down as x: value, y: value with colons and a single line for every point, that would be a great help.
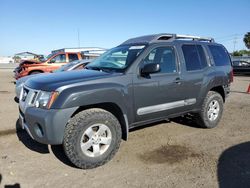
x: 92, y: 137
x: 211, y: 111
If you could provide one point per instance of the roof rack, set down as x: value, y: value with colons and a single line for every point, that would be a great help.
x: 177, y: 36
x: 164, y: 37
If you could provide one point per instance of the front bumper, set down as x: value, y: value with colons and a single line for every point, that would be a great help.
x: 19, y: 74
x: 46, y: 126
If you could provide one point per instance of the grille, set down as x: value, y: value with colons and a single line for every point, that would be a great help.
x: 24, y: 94
x: 28, y: 96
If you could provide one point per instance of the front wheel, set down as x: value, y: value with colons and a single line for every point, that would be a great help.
x: 92, y: 137
x: 211, y: 111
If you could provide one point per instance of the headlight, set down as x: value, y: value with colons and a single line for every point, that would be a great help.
x: 45, y: 99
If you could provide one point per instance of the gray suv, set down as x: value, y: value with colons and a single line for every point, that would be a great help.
x: 143, y: 80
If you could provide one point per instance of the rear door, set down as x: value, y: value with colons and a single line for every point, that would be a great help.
x: 194, y: 71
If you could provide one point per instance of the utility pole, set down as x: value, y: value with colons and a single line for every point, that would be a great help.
x: 234, y: 42
x: 78, y: 38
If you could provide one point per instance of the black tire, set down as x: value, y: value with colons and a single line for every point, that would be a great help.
x: 202, y: 118
x: 75, y: 130
x: 35, y: 72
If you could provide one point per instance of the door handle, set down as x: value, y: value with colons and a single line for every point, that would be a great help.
x: 177, y: 80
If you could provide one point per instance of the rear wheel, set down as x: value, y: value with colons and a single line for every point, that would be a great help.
x: 211, y: 111
x: 92, y: 137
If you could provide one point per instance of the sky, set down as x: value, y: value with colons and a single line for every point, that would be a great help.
x: 40, y: 26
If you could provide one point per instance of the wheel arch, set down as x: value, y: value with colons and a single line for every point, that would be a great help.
x: 30, y: 72
x: 115, y: 110
x: 220, y: 90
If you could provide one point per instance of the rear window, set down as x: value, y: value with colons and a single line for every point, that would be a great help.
x: 220, y: 55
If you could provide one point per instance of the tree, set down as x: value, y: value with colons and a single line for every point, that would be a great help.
x: 241, y: 53
x: 247, y: 40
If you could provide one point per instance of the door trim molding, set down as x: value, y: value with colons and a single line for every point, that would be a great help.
x: 165, y: 106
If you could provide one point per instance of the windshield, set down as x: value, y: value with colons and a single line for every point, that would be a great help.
x: 118, y: 58
x: 42, y: 58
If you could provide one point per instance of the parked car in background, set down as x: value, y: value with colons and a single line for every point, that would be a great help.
x: 55, y: 60
x: 241, y: 67
x: 74, y: 65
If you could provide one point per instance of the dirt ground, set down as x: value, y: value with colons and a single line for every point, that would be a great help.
x: 167, y: 154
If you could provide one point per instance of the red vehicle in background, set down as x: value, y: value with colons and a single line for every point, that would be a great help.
x: 53, y: 61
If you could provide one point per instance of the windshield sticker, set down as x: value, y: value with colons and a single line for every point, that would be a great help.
x: 136, y: 47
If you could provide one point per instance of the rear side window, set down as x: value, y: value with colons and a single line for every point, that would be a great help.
x: 73, y: 57
x: 220, y: 55
x: 194, y: 56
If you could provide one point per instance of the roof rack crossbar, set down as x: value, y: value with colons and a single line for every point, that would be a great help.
x: 177, y: 36
x: 194, y: 38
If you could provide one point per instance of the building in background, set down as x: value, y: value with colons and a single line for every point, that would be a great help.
x: 25, y: 56
x: 6, y: 59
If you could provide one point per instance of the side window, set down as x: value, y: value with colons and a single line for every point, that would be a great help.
x: 72, y: 57
x: 59, y: 59
x: 194, y: 56
x: 165, y: 56
x: 220, y: 55
x: 202, y: 56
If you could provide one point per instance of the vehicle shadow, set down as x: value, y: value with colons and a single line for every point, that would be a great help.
x: 148, y: 125
x: 234, y: 167
x: 186, y: 120
x: 16, y: 185
x: 41, y: 148
x: 29, y: 142
x: 60, y: 155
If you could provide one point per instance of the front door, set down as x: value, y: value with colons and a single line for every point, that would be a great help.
x: 56, y: 62
x: 158, y: 95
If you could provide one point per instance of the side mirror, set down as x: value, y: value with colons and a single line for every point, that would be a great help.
x: 150, y: 68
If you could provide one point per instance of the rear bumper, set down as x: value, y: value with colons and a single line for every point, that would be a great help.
x: 46, y: 126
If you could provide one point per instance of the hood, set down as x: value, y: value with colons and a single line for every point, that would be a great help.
x: 24, y: 79
x: 29, y: 62
x: 51, y: 82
